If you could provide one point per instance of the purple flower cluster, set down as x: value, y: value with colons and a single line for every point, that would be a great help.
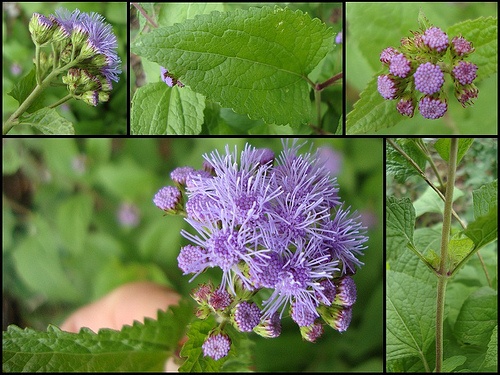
x: 276, y: 227
x: 169, y: 79
x: 418, y: 65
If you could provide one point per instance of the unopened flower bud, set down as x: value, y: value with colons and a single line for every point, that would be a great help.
x: 41, y: 29
x: 313, y: 332
x: 337, y: 317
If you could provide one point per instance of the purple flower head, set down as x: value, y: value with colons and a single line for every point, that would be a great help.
x: 428, y: 78
x: 98, y: 35
x: 202, y: 293
x: 337, y: 317
x: 465, y: 94
x: 387, y: 87
x: 465, y: 72
x: 406, y: 106
x: 180, y: 175
x: 216, y: 346
x: 346, y: 292
x: 168, y: 198
x: 269, y: 327
x: 168, y: 78
x: 128, y: 215
x: 387, y: 54
x: 192, y: 259
x: 461, y: 46
x: 327, y: 294
x: 432, y: 108
x: 303, y: 314
x: 435, y: 39
x: 313, y: 332
x: 219, y: 299
x: 400, y: 66
x: 338, y: 38
x: 246, y: 316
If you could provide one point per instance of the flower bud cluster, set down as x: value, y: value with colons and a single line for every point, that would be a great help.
x: 419, y: 65
x: 83, y: 47
x: 277, y: 229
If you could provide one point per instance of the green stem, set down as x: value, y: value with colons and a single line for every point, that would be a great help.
x: 61, y: 101
x: 37, y: 62
x: 445, y: 237
x: 317, y: 99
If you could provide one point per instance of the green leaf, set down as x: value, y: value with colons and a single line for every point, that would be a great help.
x: 254, y: 61
x: 162, y: 110
x: 238, y: 358
x: 140, y: 347
x: 491, y: 358
x: 400, y: 167
x: 484, y: 229
x: 477, y: 318
x: 371, y: 112
x: 38, y: 264
x: 429, y: 201
x: 400, y: 223
x: 24, y: 88
x: 458, y: 248
x: 442, y: 146
x: 73, y: 219
x: 410, y: 316
x: 450, y: 364
x: 483, y: 33
x: 48, y: 121
x: 485, y: 198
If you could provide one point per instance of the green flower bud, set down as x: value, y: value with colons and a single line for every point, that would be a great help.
x: 90, y: 97
x: 41, y: 29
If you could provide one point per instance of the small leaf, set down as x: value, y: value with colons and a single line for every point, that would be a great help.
x: 138, y: 348
x: 48, y: 121
x: 254, y: 61
x: 442, y: 146
x: 477, y: 318
x: 458, y: 248
x: 491, y: 358
x: 162, y: 110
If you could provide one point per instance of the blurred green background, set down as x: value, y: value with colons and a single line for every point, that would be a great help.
x: 78, y: 221
x: 18, y: 52
x: 371, y: 27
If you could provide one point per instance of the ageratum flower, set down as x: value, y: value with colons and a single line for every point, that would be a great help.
x: 96, y: 37
x: 271, y: 224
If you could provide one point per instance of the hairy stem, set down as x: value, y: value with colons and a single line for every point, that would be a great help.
x: 445, y: 237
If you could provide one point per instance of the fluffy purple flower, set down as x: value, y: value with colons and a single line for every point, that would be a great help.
x: 400, y: 66
x: 216, y: 346
x: 98, y: 35
x: 428, y: 78
x: 338, y: 38
x: 387, y: 87
x: 246, y: 316
x: 169, y: 79
x: 436, y: 39
x: 465, y: 72
x: 269, y: 327
x: 432, y: 108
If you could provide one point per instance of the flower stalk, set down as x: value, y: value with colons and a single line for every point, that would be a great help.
x: 445, y: 238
